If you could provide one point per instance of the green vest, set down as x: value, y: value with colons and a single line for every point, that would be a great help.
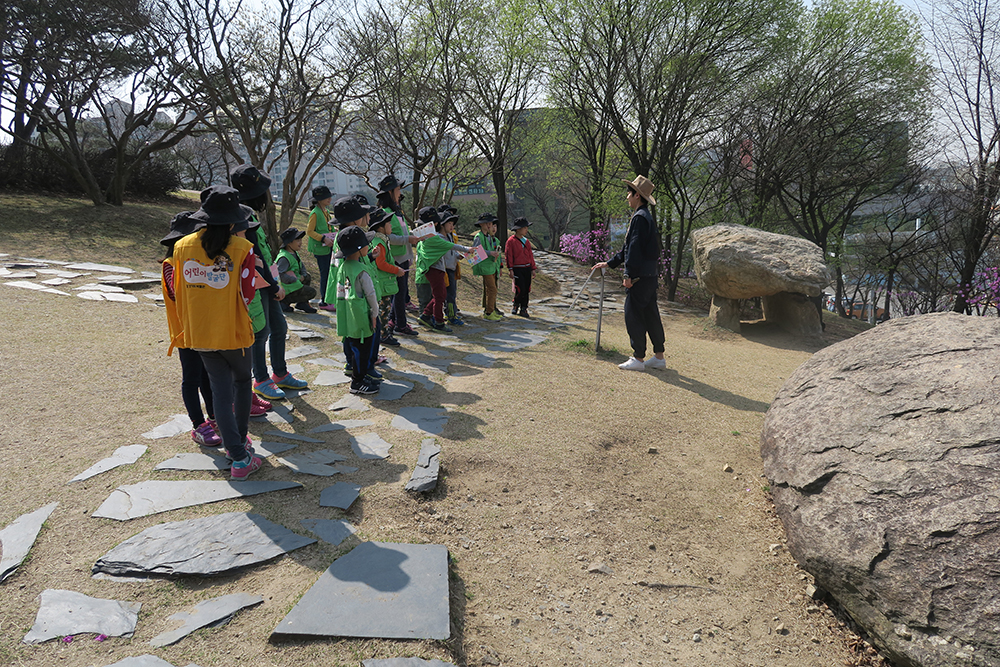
x: 353, y: 316
x: 265, y: 248
x: 294, y: 266
x: 256, y: 310
x: 397, y: 229
x: 385, y: 283
x: 322, y: 227
x: 429, y: 251
x: 490, y: 265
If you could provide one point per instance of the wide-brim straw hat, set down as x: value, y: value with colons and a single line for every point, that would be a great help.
x: 643, y: 186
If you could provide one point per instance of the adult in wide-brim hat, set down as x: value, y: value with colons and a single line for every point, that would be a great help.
x: 220, y: 205
x: 321, y: 192
x: 643, y: 186
x: 250, y: 181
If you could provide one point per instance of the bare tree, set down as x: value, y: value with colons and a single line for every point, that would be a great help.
x: 967, y: 43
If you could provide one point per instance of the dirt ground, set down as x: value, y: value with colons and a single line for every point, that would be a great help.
x: 554, y: 461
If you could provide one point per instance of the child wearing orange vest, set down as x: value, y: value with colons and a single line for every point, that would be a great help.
x: 213, y: 284
x: 193, y: 374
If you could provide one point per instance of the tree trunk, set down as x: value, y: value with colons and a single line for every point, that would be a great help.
x: 890, y: 280
x: 839, y: 305
x: 500, y: 185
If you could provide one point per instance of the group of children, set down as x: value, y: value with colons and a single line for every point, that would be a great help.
x: 226, y: 294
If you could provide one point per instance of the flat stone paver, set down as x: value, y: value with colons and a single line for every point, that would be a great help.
x: 24, y: 284
x: 178, y: 424
x: 331, y: 531
x: 379, y: 589
x: 425, y: 473
x: 392, y: 390
x: 338, y: 360
x: 404, y: 662
x: 329, y: 378
x: 301, y: 351
x: 122, y: 456
x: 145, y: 661
x: 65, y: 613
x: 209, y: 612
x: 509, y: 341
x: 195, y: 461
x: 293, y: 436
x: 428, y: 420
x: 90, y: 266
x: 370, y: 446
x: 342, y: 425
x: 352, y: 402
x: 313, y: 463
x: 19, y: 536
x: 341, y: 495
x: 480, y: 359
x: 152, y: 497
x: 206, y: 546
x: 416, y: 377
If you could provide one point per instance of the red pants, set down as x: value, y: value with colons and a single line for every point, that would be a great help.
x: 435, y: 307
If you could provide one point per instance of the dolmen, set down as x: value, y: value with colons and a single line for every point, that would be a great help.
x: 735, y: 262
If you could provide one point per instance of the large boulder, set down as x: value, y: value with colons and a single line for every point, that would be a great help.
x: 883, y: 453
x: 737, y: 262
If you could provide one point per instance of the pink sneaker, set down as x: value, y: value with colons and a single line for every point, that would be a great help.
x: 248, y: 445
x: 206, y: 436
x: 329, y: 307
x: 258, y: 407
x: 242, y: 469
x: 381, y: 360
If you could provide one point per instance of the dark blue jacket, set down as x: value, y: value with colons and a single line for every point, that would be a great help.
x: 641, y: 252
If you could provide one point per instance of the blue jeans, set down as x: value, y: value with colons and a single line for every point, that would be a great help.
x: 275, y: 328
x: 232, y: 386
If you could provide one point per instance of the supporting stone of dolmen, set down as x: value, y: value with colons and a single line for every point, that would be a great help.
x: 734, y: 262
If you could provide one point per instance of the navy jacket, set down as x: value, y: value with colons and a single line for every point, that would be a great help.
x: 641, y: 252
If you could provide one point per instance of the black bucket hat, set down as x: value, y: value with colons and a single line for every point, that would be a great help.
x: 321, y: 192
x: 520, y: 223
x: 351, y: 240
x: 250, y: 181
x: 485, y: 218
x: 377, y: 217
x: 429, y: 214
x: 290, y: 235
x: 220, y: 205
x: 181, y: 226
x: 348, y: 209
x: 388, y: 184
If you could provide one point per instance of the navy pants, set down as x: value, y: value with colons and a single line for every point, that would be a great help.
x: 275, y: 328
x: 642, y: 317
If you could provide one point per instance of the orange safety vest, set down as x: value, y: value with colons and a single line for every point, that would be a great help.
x: 210, y: 308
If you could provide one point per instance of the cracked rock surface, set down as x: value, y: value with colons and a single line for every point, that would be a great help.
x: 884, y: 459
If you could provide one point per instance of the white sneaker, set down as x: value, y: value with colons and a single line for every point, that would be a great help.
x: 632, y: 364
x: 654, y: 363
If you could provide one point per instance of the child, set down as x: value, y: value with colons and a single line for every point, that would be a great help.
x: 294, y: 278
x: 431, y: 267
x: 254, y: 188
x: 451, y: 268
x: 520, y: 265
x: 356, y: 306
x: 321, y: 237
x: 489, y: 268
x: 193, y: 375
x: 386, y: 272
x: 214, y: 275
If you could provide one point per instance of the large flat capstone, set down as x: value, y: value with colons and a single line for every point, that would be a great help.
x: 205, y: 546
x: 152, y: 497
x: 379, y: 589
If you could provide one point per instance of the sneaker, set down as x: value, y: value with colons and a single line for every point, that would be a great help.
x: 328, y: 307
x: 286, y: 308
x: 492, y: 317
x: 374, y: 374
x: 248, y: 446
x: 381, y: 360
x: 410, y: 308
x: 268, y: 390
x: 522, y: 313
x: 632, y: 364
x: 374, y: 380
x: 426, y: 320
x: 498, y: 312
x: 406, y: 330
x: 444, y: 328
x: 289, y: 381
x: 306, y: 308
x: 240, y: 470
x: 456, y: 322
x: 206, y: 436
x: 364, y: 388
x: 655, y: 364
x: 391, y: 341
x: 258, y: 406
